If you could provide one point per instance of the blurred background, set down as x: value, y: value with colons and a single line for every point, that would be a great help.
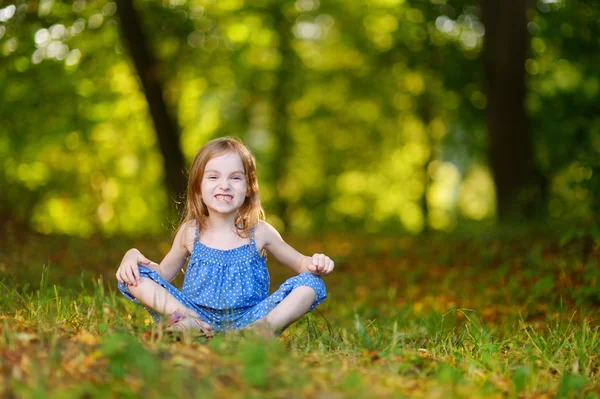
x: 368, y: 115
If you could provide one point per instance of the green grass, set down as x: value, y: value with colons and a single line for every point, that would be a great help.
x: 488, y: 316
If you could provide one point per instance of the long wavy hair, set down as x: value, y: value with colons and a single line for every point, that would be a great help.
x: 251, y: 210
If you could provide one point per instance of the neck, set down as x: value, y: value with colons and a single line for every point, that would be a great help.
x: 222, y: 222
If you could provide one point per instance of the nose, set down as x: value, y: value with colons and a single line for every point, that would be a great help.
x: 224, y: 184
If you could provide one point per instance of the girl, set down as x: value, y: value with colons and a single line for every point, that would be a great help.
x: 225, y: 237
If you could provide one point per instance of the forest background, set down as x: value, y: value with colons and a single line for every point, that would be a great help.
x: 375, y: 115
x: 446, y: 155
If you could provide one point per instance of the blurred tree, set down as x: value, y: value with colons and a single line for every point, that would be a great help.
x: 149, y: 72
x: 282, y: 94
x: 366, y: 114
x: 519, y: 185
x: 76, y: 157
x: 563, y: 70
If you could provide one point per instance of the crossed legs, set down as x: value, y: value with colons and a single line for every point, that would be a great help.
x: 158, y: 298
x: 289, y: 310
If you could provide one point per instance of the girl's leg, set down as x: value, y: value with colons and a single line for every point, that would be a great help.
x: 289, y: 310
x: 156, y: 297
x: 152, y: 295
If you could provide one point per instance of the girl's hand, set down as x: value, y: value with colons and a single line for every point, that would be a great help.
x: 320, y: 264
x: 128, y: 271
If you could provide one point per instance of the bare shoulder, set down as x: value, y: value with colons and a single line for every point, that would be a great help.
x: 186, y: 235
x: 265, y: 234
x: 269, y: 239
x: 265, y: 230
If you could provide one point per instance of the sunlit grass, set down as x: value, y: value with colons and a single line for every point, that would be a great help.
x: 406, y: 317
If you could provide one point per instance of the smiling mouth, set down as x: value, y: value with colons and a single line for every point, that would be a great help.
x: 223, y: 197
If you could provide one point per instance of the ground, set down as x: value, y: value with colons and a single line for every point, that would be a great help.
x: 486, y: 314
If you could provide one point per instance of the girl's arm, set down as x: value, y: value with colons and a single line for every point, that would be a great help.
x: 175, y: 259
x: 128, y: 271
x: 171, y: 264
x: 286, y: 255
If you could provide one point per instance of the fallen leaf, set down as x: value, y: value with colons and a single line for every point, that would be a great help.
x: 26, y: 337
x: 87, y: 338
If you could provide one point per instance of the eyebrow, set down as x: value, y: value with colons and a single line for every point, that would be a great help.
x: 216, y: 171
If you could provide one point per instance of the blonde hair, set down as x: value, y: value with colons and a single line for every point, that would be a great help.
x: 251, y: 210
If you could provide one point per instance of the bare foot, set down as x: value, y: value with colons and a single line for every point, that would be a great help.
x: 189, y: 323
x: 262, y: 329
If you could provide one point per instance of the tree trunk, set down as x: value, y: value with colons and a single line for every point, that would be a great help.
x: 281, y: 94
x: 149, y: 72
x: 511, y: 150
x: 426, y: 117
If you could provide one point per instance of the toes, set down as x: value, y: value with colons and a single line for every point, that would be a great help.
x: 190, y: 324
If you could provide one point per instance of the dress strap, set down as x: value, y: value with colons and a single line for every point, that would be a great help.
x: 196, y: 235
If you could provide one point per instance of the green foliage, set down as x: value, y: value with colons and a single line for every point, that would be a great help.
x: 520, y: 377
x: 127, y: 356
x: 255, y: 363
x: 562, y: 85
x: 362, y: 114
x: 571, y: 385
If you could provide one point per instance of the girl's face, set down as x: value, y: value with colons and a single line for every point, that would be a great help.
x: 224, y: 187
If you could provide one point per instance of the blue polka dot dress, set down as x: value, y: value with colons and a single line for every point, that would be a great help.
x: 229, y: 288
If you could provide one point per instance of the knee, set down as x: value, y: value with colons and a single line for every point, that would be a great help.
x: 313, y: 281
x: 142, y: 285
x: 307, y: 293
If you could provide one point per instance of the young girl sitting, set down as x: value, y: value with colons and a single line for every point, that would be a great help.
x: 224, y: 235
